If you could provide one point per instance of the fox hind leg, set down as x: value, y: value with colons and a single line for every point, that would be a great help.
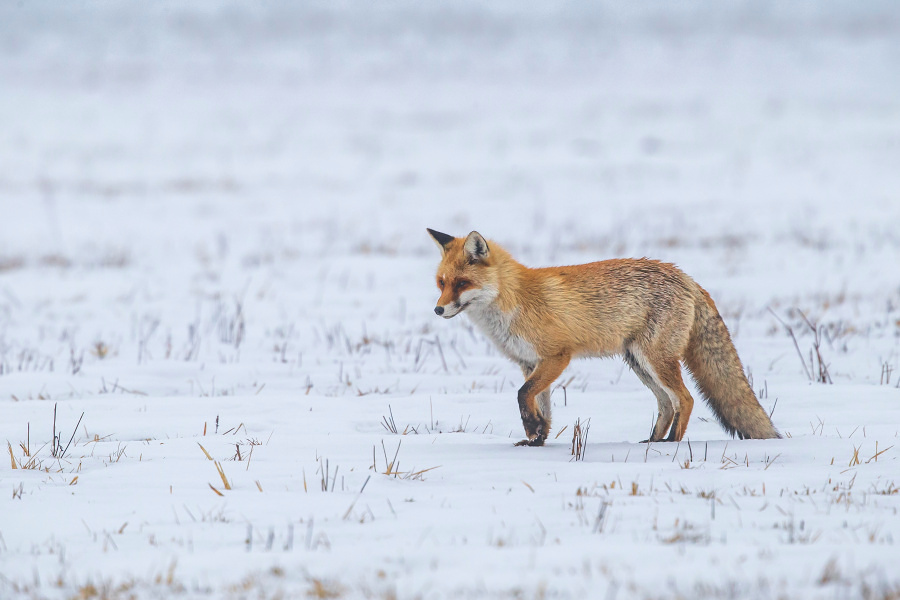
x: 666, y: 375
x: 669, y: 373
x: 665, y: 400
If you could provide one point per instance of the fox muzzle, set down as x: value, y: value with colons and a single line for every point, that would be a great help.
x: 450, y: 310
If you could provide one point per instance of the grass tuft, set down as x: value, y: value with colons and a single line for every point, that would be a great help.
x: 579, y: 439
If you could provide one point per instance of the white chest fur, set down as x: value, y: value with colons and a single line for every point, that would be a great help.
x: 496, y: 324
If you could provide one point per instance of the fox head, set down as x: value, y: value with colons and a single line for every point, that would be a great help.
x: 465, y: 276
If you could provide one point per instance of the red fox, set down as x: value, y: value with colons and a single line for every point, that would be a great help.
x: 648, y: 311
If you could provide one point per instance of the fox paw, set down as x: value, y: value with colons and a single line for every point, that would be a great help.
x: 536, y: 428
x: 536, y: 441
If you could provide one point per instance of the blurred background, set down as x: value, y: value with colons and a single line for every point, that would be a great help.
x: 200, y: 144
x: 350, y: 126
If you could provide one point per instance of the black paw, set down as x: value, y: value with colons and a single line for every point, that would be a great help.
x: 536, y: 441
x: 535, y: 426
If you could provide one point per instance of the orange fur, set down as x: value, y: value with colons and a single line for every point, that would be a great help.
x: 648, y: 311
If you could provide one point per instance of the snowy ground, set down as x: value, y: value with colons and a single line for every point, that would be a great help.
x: 212, y: 247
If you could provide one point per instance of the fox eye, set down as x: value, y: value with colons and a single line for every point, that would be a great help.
x: 462, y: 283
x: 441, y: 283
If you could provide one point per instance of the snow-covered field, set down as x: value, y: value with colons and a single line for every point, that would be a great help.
x: 214, y: 267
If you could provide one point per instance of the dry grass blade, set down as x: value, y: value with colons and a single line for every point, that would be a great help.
x: 388, y: 422
x: 57, y: 450
x: 204, y: 451
x: 822, y: 375
x: 601, y: 517
x: 393, y: 464
x: 418, y: 474
x: 886, y: 371
x: 854, y: 460
x: 874, y: 456
x: 12, y: 458
x: 796, y: 345
x: 324, y: 470
x: 222, y: 475
x: 218, y: 493
x: 579, y: 439
x: 352, y: 504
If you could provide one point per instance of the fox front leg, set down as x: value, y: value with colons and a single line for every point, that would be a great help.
x: 537, y: 426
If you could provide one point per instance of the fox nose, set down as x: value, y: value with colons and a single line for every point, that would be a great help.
x: 438, y: 310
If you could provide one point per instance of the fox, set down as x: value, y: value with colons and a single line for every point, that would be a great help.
x: 649, y: 312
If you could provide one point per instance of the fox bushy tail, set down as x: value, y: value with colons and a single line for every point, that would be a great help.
x: 714, y: 363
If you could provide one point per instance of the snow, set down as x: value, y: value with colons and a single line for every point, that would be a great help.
x: 213, y: 241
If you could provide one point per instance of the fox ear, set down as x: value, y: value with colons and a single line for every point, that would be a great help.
x: 476, y: 247
x: 442, y: 239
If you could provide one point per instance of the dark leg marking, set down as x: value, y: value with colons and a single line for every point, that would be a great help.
x: 535, y: 425
x: 671, y: 436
